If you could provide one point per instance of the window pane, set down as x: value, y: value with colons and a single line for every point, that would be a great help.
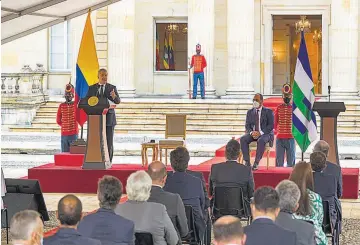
x: 57, y: 30
x: 69, y: 61
x: 57, y: 45
x: 179, y: 46
x: 57, y: 61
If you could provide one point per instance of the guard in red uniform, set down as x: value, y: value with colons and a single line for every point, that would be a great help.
x: 198, y: 61
x: 67, y: 120
x: 283, y: 122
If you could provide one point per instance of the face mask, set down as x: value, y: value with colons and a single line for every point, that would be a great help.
x: 287, y: 100
x: 256, y: 104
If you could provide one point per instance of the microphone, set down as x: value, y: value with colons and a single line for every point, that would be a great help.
x: 329, y: 91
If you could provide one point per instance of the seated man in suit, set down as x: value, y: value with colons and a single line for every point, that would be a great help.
x: 233, y: 174
x: 26, y: 228
x: 325, y: 185
x: 69, y: 215
x: 289, y: 194
x: 259, y: 127
x: 228, y: 230
x: 263, y: 230
x: 189, y: 188
x: 104, y: 89
x: 104, y: 224
x: 173, y: 203
x: 331, y: 168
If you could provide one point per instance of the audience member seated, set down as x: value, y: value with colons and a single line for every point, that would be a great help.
x: 189, y: 188
x: 26, y: 228
x: 331, y: 168
x: 69, y: 215
x: 148, y: 216
x: 289, y: 195
x: 310, y: 203
x: 325, y: 185
x: 104, y: 224
x: 233, y: 174
x: 259, y: 127
x: 173, y: 203
x: 228, y: 230
x: 263, y: 230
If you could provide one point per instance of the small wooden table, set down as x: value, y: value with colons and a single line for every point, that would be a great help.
x: 144, y: 148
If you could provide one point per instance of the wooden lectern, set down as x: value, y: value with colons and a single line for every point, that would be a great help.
x: 328, y: 112
x: 96, y: 155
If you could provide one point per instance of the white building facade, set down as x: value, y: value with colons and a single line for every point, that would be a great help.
x: 250, y: 46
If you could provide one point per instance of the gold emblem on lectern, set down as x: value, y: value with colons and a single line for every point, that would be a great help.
x: 93, y: 101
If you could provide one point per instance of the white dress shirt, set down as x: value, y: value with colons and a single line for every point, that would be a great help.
x: 103, y: 88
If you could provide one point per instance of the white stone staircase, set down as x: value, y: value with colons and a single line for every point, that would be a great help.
x: 207, y: 117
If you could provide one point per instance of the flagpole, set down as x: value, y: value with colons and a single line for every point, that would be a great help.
x: 82, y: 132
x: 302, y: 156
x: 189, y: 79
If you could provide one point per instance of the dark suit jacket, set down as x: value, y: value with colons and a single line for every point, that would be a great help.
x: 69, y: 236
x: 201, y: 176
x: 265, y: 231
x: 174, y: 207
x: 108, y: 227
x: 305, y: 232
x: 93, y: 91
x: 335, y: 170
x: 191, y: 192
x: 266, y: 121
x: 325, y: 186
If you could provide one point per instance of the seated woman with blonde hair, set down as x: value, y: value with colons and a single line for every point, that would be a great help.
x: 310, y: 203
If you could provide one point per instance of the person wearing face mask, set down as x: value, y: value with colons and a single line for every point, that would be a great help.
x: 283, y: 123
x: 66, y: 119
x: 26, y: 228
x: 198, y: 61
x: 103, y: 89
x: 259, y: 127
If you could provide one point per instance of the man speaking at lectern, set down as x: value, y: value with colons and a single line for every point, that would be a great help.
x: 109, y: 91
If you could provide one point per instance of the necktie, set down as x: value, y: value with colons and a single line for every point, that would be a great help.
x: 101, y: 90
x: 257, y: 121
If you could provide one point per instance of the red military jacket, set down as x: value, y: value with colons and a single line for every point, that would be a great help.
x: 66, y: 118
x: 283, y: 121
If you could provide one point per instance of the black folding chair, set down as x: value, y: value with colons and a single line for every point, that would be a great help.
x: 143, y: 238
x: 230, y: 201
x: 5, y: 211
x: 193, y: 236
x: 329, y: 229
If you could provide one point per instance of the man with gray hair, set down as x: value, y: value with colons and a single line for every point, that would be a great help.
x: 26, y: 228
x: 331, y: 168
x: 148, y: 216
x: 289, y: 195
x: 105, y: 225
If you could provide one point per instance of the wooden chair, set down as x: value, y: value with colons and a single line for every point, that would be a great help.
x: 175, y: 128
x: 253, y: 147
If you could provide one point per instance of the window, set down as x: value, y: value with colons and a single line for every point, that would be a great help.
x: 171, y: 46
x: 60, y: 47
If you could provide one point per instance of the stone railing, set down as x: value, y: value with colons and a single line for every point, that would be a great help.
x: 26, y: 82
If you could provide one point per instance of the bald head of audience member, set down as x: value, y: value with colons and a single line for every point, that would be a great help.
x: 322, y: 146
x: 69, y: 211
x: 157, y: 173
x: 26, y: 228
x: 228, y: 230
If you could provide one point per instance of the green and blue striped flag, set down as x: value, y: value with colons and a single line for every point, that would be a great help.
x: 303, y: 117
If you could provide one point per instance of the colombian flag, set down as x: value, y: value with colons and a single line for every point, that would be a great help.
x: 157, y: 52
x: 171, y: 53
x: 87, y: 67
x: 166, y: 53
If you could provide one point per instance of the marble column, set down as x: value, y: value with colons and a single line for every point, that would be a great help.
x: 344, y: 49
x: 121, y: 47
x: 240, y: 44
x: 201, y: 27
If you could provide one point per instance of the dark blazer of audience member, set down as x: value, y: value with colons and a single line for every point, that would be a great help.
x: 173, y: 203
x: 148, y: 216
x: 26, y: 228
x: 263, y: 230
x: 189, y: 188
x: 325, y: 185
x: 232, y: 174
x: 289, y: 195
x: 201, y: 177
x: 69, y: 214
x: 331, y: 168
x: 104, y: 224
x: 228, y: 230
